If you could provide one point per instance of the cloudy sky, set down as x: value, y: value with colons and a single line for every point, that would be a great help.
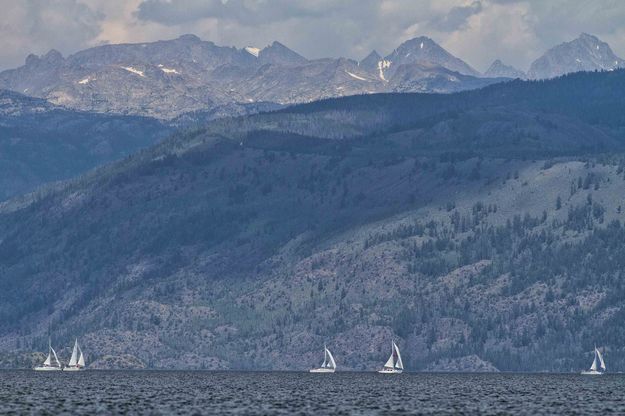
x: 478, y: 31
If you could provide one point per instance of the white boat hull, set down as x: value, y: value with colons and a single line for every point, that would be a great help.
x: 46, y: 368
x: 592, y: 373
x: 390, y: 371
x: 73, y: 369
x: 322, y: 370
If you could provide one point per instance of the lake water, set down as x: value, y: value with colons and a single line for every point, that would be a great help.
x: 275, y: 393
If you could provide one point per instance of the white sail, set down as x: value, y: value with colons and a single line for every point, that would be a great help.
x: 593, y: 367
x: 390, y: 363
x: 56, y: 358
x: 399, y: 364
x: 598, y: 354
x: 328, y: 365
x: 48, y: 360
x: 48, y: 364
x: 81, y: 360
x: 74, y: 359
x: 331, y: 362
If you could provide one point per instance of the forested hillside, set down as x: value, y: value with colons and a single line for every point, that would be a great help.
x: 42, y: 143
x: 481, y: 231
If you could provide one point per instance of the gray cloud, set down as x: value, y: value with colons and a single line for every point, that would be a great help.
x: 457, y: 17
x: 39, y: 25
x: 478, y: 31
x: 241, y: 11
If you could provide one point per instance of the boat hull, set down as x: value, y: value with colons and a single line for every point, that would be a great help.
x: 592, y: 373
x: 390, y: 371
x: 44, y: 368
x: 322, y: 370
x: 73, y: 369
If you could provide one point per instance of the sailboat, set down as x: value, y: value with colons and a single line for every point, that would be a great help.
x: 598, y: 365
x: 394, y: 364
x: 48, y: 364
x: 76, y: 362
x: 329, y: 365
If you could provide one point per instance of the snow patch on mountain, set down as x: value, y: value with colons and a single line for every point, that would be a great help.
x: 168, y: 70
x: 84, y: 81
x: 382, y: 65
x: 134, y: 70
x: 252, y: 51
x: 356, y: 76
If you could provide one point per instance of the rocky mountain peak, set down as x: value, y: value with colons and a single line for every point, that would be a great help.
x: 500, y: 70
x: 370, y: 62
x: 53, y: 56
x: 423, y: 50
x: 588, y: 37
x: 277, y: 53
x: 189, y: 38
x: 31, y: 59
x: 585, y: 53
x: 420, y: 42
x: 420, y: 47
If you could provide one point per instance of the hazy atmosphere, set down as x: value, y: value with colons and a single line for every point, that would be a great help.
x: 477, y: 30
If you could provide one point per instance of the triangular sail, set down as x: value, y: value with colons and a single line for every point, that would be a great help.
x: 56, y: 358
x: 74, y: 359
x: 398, y: 364
x: 593, y: 367
x: 331, y: 363
x: 81, y: 360
x: 325, y: 357
x: 48, y: 360
x: 598, y: 354
x: 390, y: 363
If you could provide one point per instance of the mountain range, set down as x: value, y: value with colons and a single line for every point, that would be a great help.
x: 481, y: 230
x: 168, y: 79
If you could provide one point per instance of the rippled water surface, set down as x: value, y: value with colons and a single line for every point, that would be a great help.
x: 173, y: 392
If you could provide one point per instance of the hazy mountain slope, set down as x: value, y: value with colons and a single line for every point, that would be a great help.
x: 423, y: 50
x: 441, y: 221
x: 499, y: 69
x: 586, y: 53
x: 166, y: 79
x: 41, y: 143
